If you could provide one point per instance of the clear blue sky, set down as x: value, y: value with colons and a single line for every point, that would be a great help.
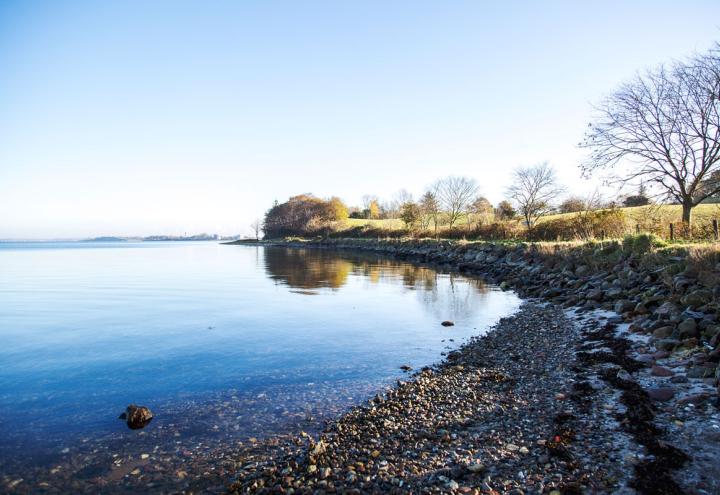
x: 124, y: 117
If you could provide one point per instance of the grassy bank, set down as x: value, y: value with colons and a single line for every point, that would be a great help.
x: 609, y: 223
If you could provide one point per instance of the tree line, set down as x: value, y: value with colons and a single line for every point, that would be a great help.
x: 658, y: 133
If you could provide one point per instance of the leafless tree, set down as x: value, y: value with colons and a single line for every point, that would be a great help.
x: 533, y: 190
x: 455, y: 194
x: 663, y: 127
x: 399, y: 199
x: 256, y: 227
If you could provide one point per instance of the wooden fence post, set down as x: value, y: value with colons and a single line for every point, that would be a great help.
x: 715, y: 229
x: 672, y: 232
x: 637, y: 229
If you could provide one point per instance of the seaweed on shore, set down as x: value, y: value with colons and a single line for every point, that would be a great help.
x: 653, y: 475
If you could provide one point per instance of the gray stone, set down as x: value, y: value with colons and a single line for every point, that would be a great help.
x: 666, y: 344
x: 661, y: 394
x: 624, y: 306
x: 700, y: 372
x: 595, y: 295
x: 663, y: 332
x: 661, y: 371
x: 582, y: 270
x: 697, y: 298
x: 667, y: 309
x: 687, y: 329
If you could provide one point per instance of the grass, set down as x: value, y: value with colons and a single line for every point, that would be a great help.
x: 389, y: 223
x: 702, y: 214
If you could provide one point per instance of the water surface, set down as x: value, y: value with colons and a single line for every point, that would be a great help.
x: 223, y: 343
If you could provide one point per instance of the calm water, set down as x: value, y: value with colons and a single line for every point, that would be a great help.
x: 192, y: 330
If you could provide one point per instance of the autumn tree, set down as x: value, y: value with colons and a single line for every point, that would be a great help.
x: 371, y: 206
x: 533, y: 190
x: 663, y: 127
x: 303, y: 214
x: 482, y: 209
x: 505, y: 210
x: 339, y: 209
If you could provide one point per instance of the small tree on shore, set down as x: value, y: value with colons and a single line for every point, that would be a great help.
x: 429, y: 210
x: 572, y: 204
x: 410, y: 214
x: 256, y: 227
x: 505, y: 210
x: 482, y: 209
x: 455, y: 194
x: 533, y: 189
x: 663, y: 127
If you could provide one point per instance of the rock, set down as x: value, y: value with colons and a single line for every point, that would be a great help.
x: 667, y: 309
x: 641, y: 309
x: 582, y: 270
x: 695, y: 399
x: 405, y: 367
x: 661, y: 394
x: 697, y: 298
x: 711, y: 331
x: 700, y: 372
x: 646, y: 358
x: 624, y: 375
x: 476, y: 467
x: 687, y: 329
x: 660, y: 371
x: 452, y: 485
x: 136, y: 417
x: 663, y: 332
x: 595, y: 295
x: 666, y: 344
x: 448, y: 323
x: 624, y: 306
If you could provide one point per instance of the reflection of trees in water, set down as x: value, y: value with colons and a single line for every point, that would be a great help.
x: 454, y: 297
x: 446, y: 296
x: 306, y: 268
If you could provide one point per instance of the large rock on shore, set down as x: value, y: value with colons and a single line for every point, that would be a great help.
x: 697, y: 298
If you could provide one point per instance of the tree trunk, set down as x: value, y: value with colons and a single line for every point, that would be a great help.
x: 687, y: 215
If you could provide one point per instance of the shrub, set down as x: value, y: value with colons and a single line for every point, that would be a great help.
x: 642, y: 243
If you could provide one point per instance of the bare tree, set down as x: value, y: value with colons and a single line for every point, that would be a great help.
x: 256, y: 227
x: 455, y: 194
x: 663, y: 127
x: 400, y: 198
x: 533, y: 190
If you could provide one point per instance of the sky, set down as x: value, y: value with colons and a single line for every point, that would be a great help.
x: 172, y: 117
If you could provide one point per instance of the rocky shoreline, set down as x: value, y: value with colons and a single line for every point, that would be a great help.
x: 604, y: 382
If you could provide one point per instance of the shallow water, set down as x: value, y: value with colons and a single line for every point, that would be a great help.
x: 223, y: 343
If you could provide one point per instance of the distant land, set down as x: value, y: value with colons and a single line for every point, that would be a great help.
x: 155, y: 238
x: 151, y: 238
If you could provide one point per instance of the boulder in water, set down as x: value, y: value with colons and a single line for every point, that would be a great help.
x: 136, y: 417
